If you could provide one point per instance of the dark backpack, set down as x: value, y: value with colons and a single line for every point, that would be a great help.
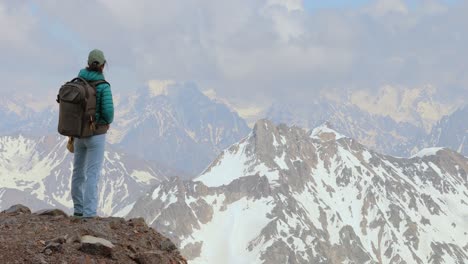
x: 77, y: 111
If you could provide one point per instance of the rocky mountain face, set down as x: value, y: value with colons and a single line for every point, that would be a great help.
x: 50, y: 236
x: 451, y: 131
x: 37, y: 172
x: 287, y: 195
x: 177, y: 125
x: 381, y: 133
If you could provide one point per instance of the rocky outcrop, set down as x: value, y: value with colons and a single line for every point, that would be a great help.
x: 50, y: 236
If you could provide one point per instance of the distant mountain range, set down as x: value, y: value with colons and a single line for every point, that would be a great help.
x: 287, y: 195
x: 384, y: 132
x: 168, y: 123
x: 177, y: 126
x: 381, y: 133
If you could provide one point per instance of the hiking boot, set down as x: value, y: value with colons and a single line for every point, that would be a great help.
x: 77, y: 215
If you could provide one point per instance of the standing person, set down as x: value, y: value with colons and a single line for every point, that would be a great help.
x: 89, y: 151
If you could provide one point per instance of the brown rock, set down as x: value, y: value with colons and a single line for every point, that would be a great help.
x: 52, y: 247
x: 51, y: 212
x: 86, y: 260
x: 39, y: 259
x: 96, y: 246
x: 17, y: 209
x: 72, y: 238
x: 167, y: 245
x: 137, y: 222
x: 151, y: 257
x: 59, y: 240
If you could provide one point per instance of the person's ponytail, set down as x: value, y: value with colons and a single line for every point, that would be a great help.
x: 95, y: 67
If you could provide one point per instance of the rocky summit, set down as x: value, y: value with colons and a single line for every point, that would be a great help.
x: 50, y: 236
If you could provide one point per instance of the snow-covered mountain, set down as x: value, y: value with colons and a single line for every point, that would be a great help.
x: 176, y: 124
x: 285, y: 195
x: 451, y: 131
x: 37, y: 173
x: 381, y: 133
x: 173, y: 124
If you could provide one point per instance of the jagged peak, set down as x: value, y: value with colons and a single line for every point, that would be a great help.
x: 264, y: 124
x: 267, y: 126
x: 325, y: 132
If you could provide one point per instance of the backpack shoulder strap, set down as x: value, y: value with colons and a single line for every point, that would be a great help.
x: 78, y: 79
x: 96, y: 83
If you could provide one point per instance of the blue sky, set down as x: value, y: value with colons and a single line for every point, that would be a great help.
x: 319, y: 4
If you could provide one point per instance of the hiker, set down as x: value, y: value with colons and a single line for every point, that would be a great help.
x: 89, y: 151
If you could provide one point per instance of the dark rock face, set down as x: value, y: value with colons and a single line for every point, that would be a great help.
x: 56, y: 238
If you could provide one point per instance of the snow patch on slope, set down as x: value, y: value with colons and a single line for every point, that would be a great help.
x: 324, y: 129
x: 229, y: 167
x: 426, y: 152
x: 124, y: 212
x: 241, y: 221
x: 142, y: 176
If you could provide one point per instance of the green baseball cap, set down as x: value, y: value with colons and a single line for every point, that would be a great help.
x: 96, y: 56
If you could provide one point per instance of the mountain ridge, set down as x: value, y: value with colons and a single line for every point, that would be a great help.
x: 315, y: 198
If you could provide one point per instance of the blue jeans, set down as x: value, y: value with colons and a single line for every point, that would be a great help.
x: 87, y: 165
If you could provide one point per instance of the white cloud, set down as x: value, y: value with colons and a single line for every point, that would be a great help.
x: 385, y: 7
x: 17, y: 26
x: 287, y: 18
x: 416, y: 105
x: 291, y: 5
x: 248, y: 51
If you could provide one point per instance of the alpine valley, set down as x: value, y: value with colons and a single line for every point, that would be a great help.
x: 287, y: 195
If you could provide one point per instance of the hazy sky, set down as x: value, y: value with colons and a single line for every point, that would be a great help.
x: 248, y: 51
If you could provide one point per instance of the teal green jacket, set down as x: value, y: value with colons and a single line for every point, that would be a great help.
x: 104, y: 102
